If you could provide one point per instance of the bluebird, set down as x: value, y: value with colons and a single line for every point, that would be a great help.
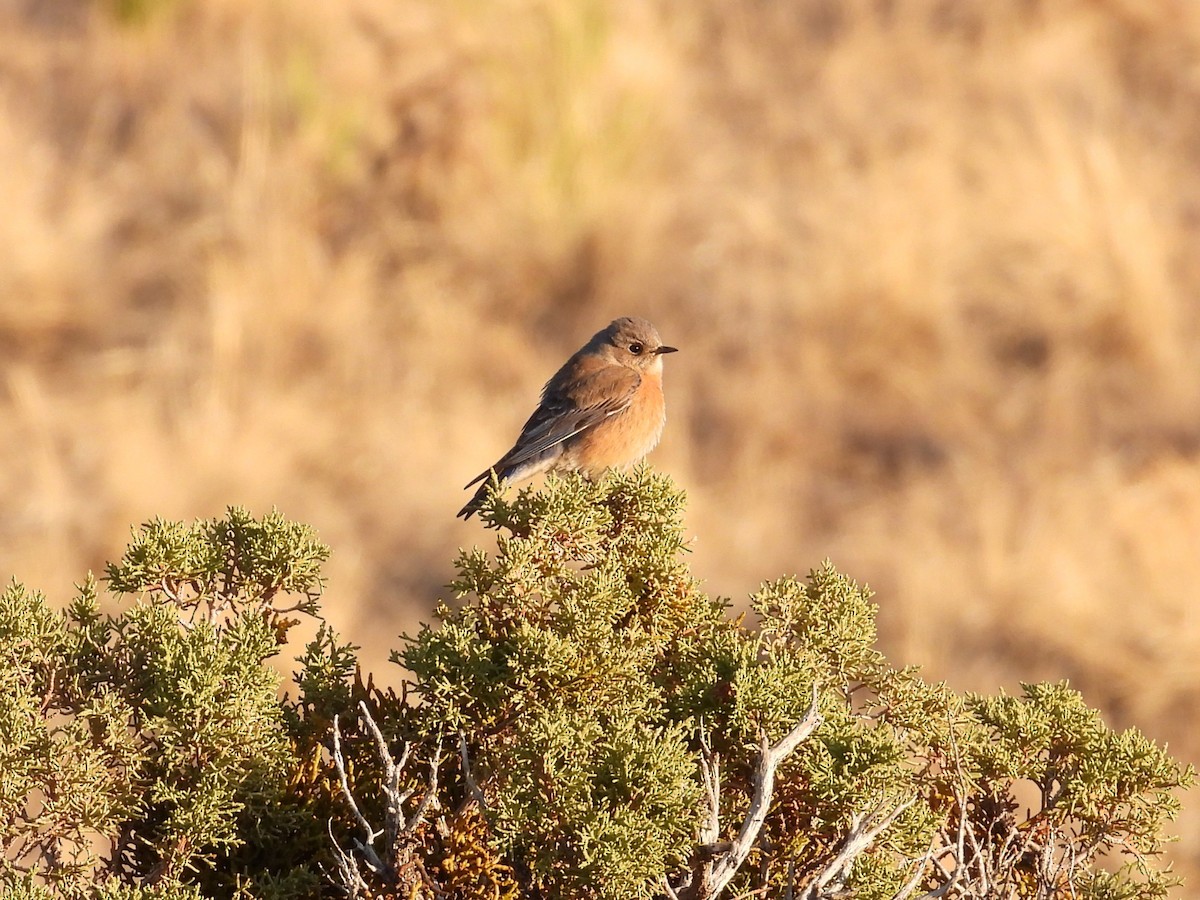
x: 603, y: 409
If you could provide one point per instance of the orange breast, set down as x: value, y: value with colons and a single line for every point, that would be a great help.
x: 626, y: 437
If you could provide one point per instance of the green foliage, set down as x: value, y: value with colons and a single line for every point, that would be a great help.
x: 570, y: 706
x: 557, y: 673
x: 590, y: 671
x: 150, y: 746
x: 213, y: 564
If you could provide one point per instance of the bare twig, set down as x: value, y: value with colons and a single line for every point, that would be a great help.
x: 399, y: 830
x: 339, y: 763
x: 474, y: 793
x: 714, y: 864
x: 992, y: 851
x: 769, y: 759
x: 710, y: 772
x: 348, y: 875
x: 920, y: 864
x: 864, y: 829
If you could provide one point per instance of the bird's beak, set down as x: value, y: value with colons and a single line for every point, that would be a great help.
x: 662, y: 350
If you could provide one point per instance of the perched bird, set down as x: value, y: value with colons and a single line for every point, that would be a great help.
x: 603, y: 409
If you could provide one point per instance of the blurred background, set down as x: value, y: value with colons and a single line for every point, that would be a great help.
x: 932, y: 264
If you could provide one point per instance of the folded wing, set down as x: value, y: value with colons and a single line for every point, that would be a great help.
x: 563, y: 414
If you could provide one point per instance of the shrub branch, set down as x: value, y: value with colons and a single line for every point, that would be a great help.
x: 398, y: 863
x: 715, y: 864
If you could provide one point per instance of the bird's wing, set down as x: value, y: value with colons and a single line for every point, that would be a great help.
x: 564, y: 414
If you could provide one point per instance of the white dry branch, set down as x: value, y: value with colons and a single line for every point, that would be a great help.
x: 993, y: 854
x: 399, y: 828
x: 864, y: 829
x: 474, y: 794
x: 987, y: 850
x: 714, y: 863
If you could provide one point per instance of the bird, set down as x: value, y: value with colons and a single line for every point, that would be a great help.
x: 604, y: 409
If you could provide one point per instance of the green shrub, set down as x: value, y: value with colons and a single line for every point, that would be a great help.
x: 584, y: 721
x: 150, y: 748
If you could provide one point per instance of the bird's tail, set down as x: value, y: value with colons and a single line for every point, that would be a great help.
x: 474, y: 503
x: 497, y: 480
x: 493, y: 482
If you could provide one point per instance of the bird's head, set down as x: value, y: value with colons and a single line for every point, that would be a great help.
x: 633, y: 342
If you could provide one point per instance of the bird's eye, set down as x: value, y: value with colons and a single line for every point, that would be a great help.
x: 636, y: 349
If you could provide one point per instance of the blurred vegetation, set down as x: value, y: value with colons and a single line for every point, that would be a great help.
x: 582, y: 714
x: 932, y: 266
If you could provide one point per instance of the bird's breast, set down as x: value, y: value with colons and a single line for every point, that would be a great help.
x: 625, y: 437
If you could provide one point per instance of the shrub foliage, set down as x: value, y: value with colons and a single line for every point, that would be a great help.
x: 582, y: 721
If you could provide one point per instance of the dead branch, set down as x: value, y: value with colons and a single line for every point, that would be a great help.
x: 992, y: 852
x: 399, y: 829
x: 474, y: 794
x: 714, y: 864
x: 864, y: 829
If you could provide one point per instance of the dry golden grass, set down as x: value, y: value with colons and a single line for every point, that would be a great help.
x: 933, y: 265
